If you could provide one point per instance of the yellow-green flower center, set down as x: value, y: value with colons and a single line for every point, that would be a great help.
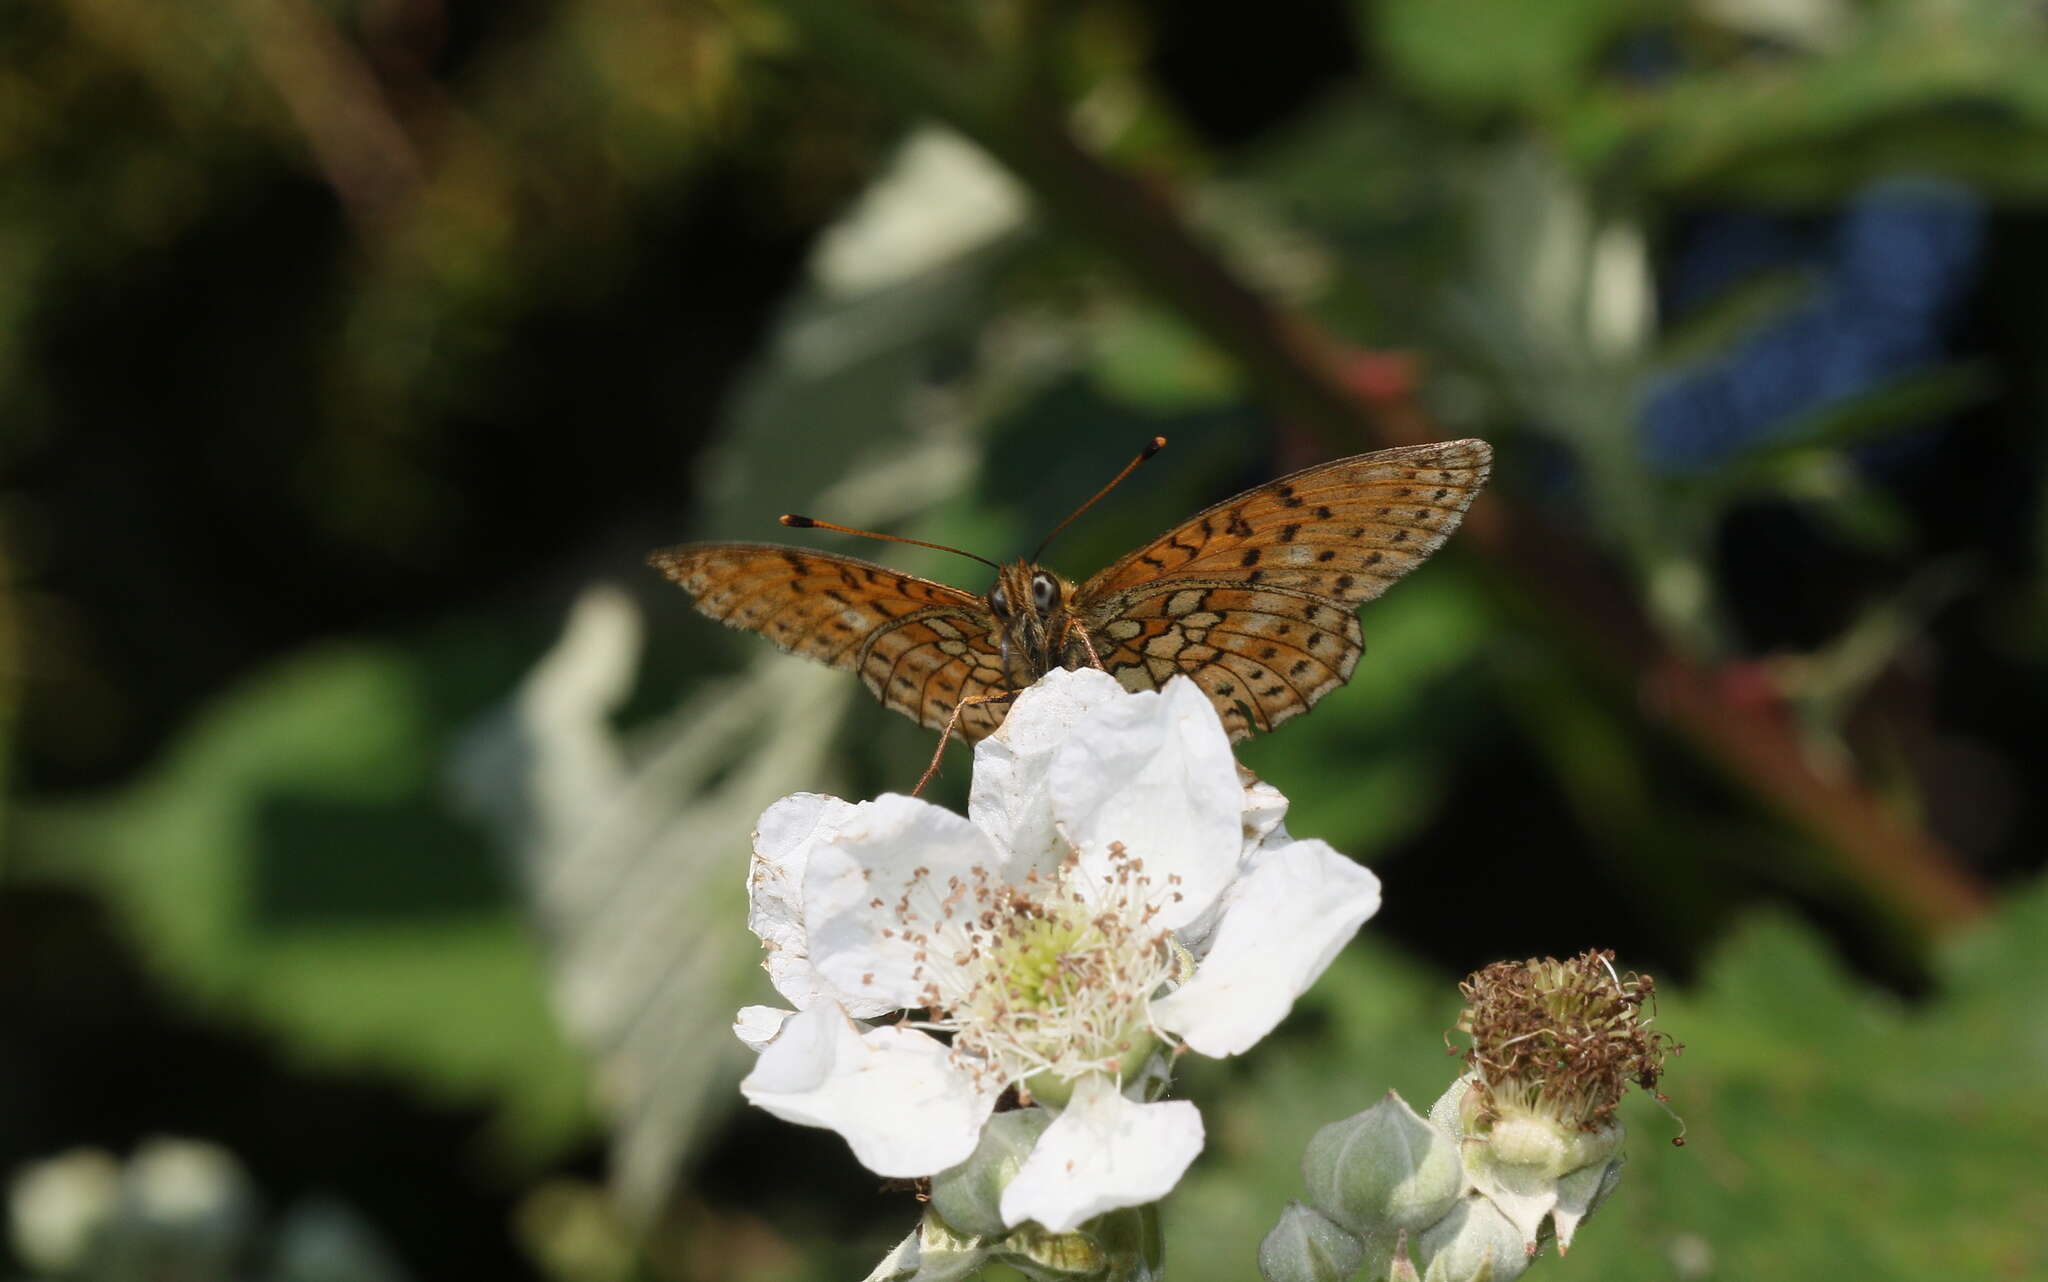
x: 1043, y: 961
x: 1051, y: 980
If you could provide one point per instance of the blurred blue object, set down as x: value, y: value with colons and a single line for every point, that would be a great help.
x: 1891, y: 271
x: 1721, y: 248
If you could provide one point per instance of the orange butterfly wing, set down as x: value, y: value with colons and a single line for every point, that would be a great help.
x: 920, y: 646
x: 1254, y: 598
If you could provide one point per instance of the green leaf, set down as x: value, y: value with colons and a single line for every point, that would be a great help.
x: 1952, y: 90
x: 289, y: 861
x: 1492, y: 53
x: 1153, y: 361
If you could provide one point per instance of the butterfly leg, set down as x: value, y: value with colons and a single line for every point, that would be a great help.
x: 946, y: 734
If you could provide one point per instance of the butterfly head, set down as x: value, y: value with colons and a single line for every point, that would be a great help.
x: 1030, y: 606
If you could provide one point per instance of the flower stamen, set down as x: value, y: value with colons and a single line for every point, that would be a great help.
x: 1044, y: 978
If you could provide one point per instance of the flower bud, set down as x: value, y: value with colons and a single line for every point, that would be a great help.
x: 1474, y: 1243
x: 1308, y: 1246
x: 1382, y: 1170
x: 969, y: 1196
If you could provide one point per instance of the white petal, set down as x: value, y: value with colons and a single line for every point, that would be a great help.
x: 876, y: 884
x: 758, y: 1025
x: 1265, y: 813
x: 783, y: 840
x: 894, y: 1093
x: 1008, y: 799
x: 1154, y: 771
x: 1282, y: 925
x: 1102, y: 1152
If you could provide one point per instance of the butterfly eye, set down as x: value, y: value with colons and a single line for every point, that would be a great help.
x: 998, y: 604
x: 1044, y: 592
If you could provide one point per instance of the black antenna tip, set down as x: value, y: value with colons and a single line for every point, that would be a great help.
x: 1158, y: 444
x: 795, y: 522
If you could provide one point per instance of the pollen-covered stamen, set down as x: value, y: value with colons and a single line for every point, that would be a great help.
x: 1053, y: 975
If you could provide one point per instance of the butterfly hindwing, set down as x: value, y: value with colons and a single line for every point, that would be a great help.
x: 1262, y: 655
x: 1341, y: 531
x: 919, y: 646
x: 930, y: 663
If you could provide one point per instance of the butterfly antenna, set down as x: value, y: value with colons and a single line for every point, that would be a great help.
x: 796, y: 522
x: 1156, y: 444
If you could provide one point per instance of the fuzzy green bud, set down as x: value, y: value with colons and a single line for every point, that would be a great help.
x: 1382, y: 1170
x: 1308, y: 1246
x: 969, y: 1196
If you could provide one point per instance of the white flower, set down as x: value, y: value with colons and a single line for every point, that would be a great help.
x: 1114, y: 889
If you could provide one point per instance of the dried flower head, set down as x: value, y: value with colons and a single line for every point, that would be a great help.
x: 1554, y: 1046
x: 1558, y: 1039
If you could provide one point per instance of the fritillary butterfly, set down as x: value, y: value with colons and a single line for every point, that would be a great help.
x: 1254, y: 598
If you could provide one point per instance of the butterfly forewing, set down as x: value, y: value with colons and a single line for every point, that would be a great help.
x: 1342, y: 530
x: 919, y: 646
x: 1253, y: 597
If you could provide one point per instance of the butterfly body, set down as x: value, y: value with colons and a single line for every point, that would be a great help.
x: 1254, y: 598
x: 1037, y: 629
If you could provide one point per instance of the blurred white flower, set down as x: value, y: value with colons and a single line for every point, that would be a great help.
x: 1116, y: 889
x: 56, y: 1207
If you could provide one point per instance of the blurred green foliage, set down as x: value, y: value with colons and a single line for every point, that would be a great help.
x: 343, y: 345
x: 292, y: 860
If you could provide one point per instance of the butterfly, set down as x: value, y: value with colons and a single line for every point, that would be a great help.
x: 1255, y: 598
